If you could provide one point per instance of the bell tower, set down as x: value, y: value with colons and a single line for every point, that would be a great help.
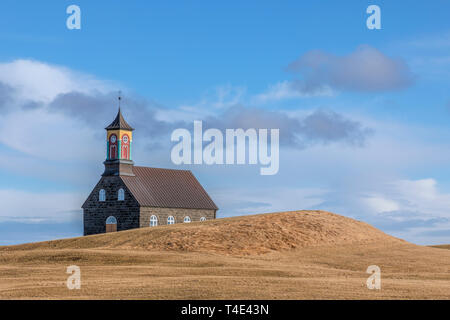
x: 119, y: 139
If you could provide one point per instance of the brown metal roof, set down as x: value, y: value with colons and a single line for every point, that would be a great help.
x: 167, y: 188
x: 119, y: 123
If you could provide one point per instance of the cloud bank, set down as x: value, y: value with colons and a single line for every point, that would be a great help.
x: 53, y: 120
x: 56, y: 135
x: 364, y: 70
x: 318, y: 127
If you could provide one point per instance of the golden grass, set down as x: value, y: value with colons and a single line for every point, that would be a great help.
x: 290, y: 255
x: 442, y: 246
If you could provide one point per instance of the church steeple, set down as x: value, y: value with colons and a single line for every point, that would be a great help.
x: 119, y: 123
x: 119, y: 138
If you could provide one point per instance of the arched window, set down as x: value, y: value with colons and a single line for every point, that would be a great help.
x: 102, y: 195
x: 111, y: 220
x: 153, y: 221
x: 170, y: 220
x: 125, y: 152
x: 202, y: 219
x: 121, y: 195
x: 113, y: 152
x: 113, y: 147
x: 125, y: 144
x: 111, y: 224
x: 187, y: 219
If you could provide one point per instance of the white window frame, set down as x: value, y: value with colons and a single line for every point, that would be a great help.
x: 153, y: 221
x: 187, y: 219
x: 170, y: 221
x: 203, y: 219
x: 121, y: 195
x: 102, y: 195
x: 114, y: 220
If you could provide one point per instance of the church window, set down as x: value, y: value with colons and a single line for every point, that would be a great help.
x: 111, y: 220
x: 187, y: 219
x: 102, y: 195
x: 153, y: 221
x: 113, y: 146
x: 113, y: 152
x: 202, y: 219
x: 125, y: 152
x: 170, y: 220
x: 121, y: 195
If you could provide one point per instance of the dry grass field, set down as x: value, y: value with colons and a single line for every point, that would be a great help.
x: 288, y: 255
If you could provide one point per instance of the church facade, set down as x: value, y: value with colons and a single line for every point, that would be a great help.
x: 129, y: 196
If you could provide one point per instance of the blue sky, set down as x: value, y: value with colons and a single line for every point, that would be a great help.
x: 365, y: 134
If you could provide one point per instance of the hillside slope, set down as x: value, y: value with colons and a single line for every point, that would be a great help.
x: 442, y: 246
x: 288, y: 255
x: 244, y: 235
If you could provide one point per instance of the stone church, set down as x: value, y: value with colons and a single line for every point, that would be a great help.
x: 128, y: 196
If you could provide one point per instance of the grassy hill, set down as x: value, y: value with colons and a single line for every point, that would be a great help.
x: 244, y: 235
x: 442, y: 246
x: 287, y: 255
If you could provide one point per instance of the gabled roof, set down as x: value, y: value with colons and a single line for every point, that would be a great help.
x: 119, y: 123
x: 167, y: 188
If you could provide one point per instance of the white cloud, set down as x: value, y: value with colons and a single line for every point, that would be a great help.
x: 213, y: 101
x: 421, y: 196
x: 183, y: 113
x: 286, y: 90
x: 38, y: 143
x: 228, y: 95
x: 364, y: 70
x: 48, y: 136
x: 37, y: 81
x: 380, y: 204
x: 238, y: 201
x: 36, y: 206
x: 354, y: 181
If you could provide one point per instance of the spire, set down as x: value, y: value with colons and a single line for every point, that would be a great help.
x: 118, y: 147
x: 119, y: 122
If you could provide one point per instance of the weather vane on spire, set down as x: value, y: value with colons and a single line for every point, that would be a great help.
x: 120, y: 97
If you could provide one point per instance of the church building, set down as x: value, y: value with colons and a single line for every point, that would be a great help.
x: 129, y: 196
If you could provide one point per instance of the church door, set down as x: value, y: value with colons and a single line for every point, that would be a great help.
x: 111, y: 224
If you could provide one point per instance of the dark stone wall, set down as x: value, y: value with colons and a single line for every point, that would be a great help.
x: 96, y: 212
